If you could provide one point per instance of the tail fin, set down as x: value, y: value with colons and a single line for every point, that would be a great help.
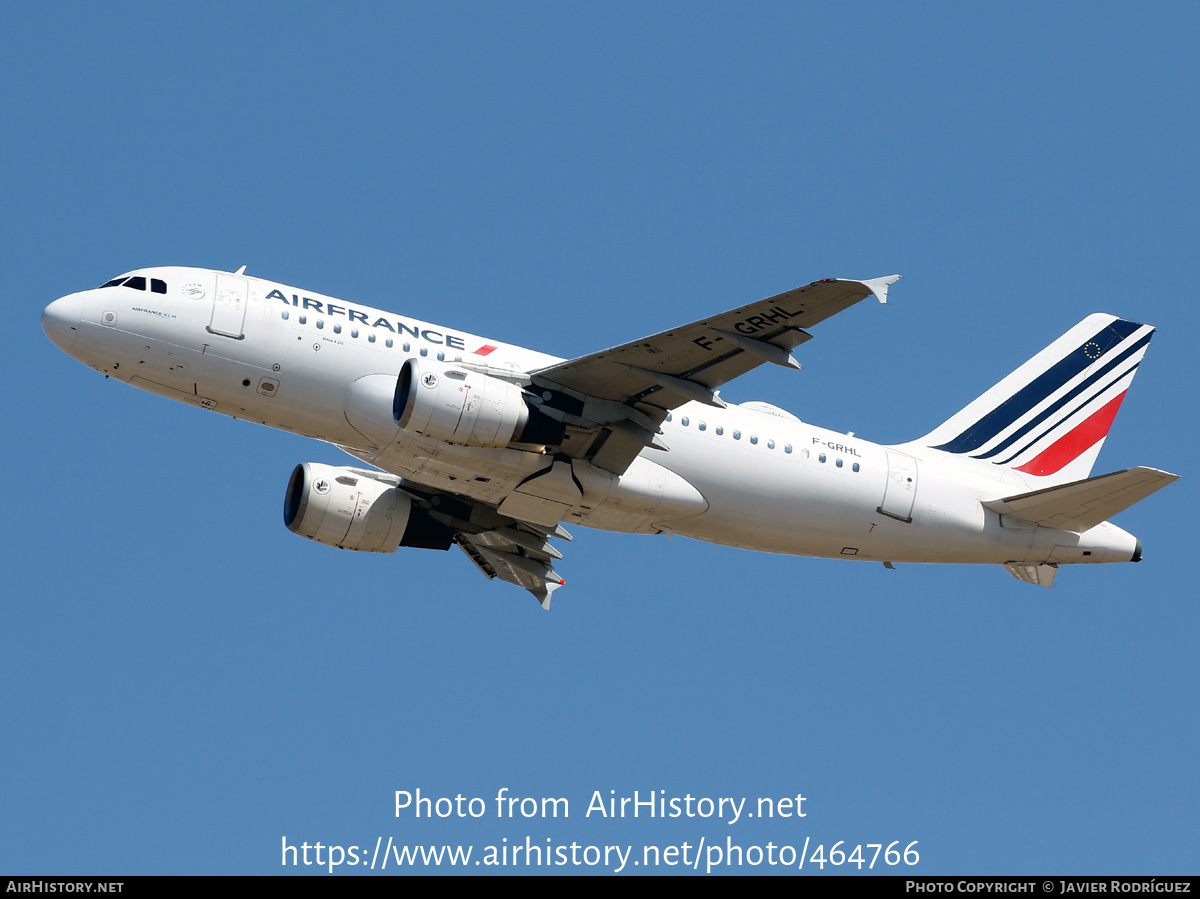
x: 1049, y: 418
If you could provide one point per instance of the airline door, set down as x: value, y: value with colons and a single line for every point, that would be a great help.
x: 229, y: 307
x: 901, y: 488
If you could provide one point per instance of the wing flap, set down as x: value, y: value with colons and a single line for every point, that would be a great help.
x: 1081, y: 505
x: 500, y: 554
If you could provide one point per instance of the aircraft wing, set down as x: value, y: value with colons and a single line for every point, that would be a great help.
x: 626, y: 391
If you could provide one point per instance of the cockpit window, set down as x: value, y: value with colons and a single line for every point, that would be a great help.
x: 157, y: 285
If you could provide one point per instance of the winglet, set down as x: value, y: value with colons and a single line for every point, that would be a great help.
x: 879, y: 286
x: 543, y: 595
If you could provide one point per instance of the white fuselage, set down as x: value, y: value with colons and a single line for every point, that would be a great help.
x: 739, y: 476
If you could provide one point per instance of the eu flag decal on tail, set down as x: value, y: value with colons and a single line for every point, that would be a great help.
x: 1049, y: 418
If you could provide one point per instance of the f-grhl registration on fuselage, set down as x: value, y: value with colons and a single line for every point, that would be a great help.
x: 493, y: 447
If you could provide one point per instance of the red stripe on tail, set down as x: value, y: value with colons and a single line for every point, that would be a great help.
x: 1070, y: 446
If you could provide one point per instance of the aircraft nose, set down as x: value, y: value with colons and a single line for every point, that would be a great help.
x: 60, y: 320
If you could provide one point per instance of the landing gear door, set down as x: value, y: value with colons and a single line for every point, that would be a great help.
x: 901, y: 487
x: 229, y: 307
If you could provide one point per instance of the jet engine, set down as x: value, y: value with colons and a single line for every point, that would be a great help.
x: 466, y: 408
x: 350, y: 509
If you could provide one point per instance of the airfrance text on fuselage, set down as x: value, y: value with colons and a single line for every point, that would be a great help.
x: 453, y: 341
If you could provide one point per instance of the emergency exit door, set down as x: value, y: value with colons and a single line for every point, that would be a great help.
x: 229, y: 307
x: 901, y: 488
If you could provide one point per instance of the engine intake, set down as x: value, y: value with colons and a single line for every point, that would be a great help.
x: 349, y: 509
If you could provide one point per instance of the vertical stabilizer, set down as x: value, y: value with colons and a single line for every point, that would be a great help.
x: 1048, y: 419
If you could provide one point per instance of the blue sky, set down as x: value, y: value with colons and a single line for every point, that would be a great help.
x: 186, y: 682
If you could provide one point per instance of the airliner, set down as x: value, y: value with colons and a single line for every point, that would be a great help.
x: 470, y: 441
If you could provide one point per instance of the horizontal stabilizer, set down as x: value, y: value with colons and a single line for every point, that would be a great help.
x: 1081, y: 505
x: 1032, y: 573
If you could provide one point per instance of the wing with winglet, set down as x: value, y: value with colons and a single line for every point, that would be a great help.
x: 613, y: 401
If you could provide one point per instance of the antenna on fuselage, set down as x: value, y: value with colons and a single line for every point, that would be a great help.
x: 241, y: 271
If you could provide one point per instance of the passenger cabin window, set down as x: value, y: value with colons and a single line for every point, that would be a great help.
x: 720, y: 430
x: 684, y: 421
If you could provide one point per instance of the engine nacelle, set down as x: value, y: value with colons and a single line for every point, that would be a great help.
x: 348, y: 509
x: 458, y: 406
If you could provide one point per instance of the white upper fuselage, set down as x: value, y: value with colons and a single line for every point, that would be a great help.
x: 739, y: 476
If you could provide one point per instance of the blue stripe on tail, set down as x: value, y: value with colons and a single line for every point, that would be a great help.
x: 1036, y: 391
x: 1062, y: 401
